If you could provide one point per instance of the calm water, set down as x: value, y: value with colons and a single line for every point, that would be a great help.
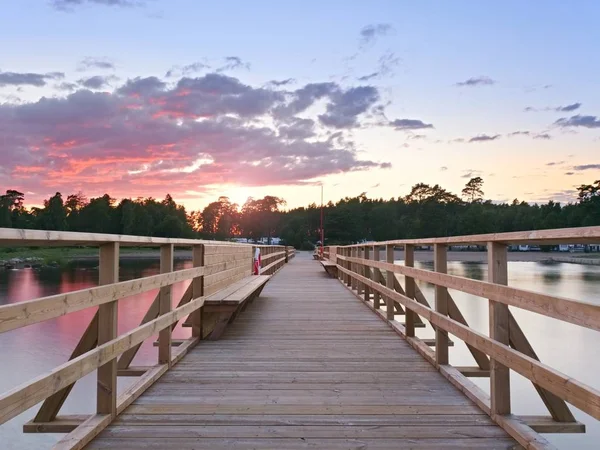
x: 39, y: 348
x: 565, y: 347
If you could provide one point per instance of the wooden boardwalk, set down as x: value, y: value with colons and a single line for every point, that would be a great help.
x: 307, y: 365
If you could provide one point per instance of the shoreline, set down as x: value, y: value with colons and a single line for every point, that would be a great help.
x: 420, y: 255
x: 481, y: 257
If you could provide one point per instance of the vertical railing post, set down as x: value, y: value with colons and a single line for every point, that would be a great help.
x: 366, y: 272
x: 197, y: 289
x: 376, y: 294
x: 285, y: 249
x: 441, y: 304
x: 360, y: 269
x: 165, y: 305
x: 389, y: 281
x: 348, y: 254
x: 106, y: 392
x: 499, y: 329
x: 354, y: 269
x: 409, y: 288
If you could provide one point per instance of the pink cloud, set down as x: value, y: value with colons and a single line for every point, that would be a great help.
x: 147, y: 138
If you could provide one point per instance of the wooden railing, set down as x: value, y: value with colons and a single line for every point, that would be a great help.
x: 371, y: 275
x: 215, y: 267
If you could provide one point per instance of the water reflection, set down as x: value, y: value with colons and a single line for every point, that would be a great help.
x: 590, y: 277
x: 472, y: 270
x: 39, y: 348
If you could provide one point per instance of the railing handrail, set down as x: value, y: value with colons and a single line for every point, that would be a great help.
x: 580, y: 313
x: 506, y: 348
x: 216, y: 266
x: 25, y: 237
x: 578, y: 235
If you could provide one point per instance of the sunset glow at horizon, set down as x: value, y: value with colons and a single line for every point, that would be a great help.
x: 196, y: 100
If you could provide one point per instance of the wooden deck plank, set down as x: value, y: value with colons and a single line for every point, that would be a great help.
x: 295, y: 371
x: 299, y: 443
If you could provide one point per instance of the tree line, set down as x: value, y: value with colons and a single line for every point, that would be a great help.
x: 427, y: 211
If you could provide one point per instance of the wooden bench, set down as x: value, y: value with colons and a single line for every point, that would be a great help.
x: 330, y: 268
x: 316, y: 256
x: 222, y: 307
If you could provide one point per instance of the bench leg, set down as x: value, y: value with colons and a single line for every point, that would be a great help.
x: 220, y: 324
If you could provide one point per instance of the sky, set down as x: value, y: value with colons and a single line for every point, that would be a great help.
x: 140, y: 98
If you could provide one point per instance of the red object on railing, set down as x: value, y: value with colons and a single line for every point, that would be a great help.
x: 257, y: 261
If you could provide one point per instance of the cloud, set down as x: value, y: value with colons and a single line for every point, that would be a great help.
x: 66, y: 86
x: 368, y: 77
x: 568, y: 108
x: 95, y: 63
x: 443, y: 168
x: 346, y: 106
x: 282, y: 82
x: 304, y: 97
x: 97, y: 81
x: 297, y: 128
x: 471, y: 173
x: 233, y: 63
x: 370, y: 33
x: 477, y: 81
x: 142, y: 87
x: 28, y: 79
x: 69, y: 5
x: 484, y: 138
x: 529, y: 133
x: 555, y: 163
x: 587, y: 167
x: 387, y: 63
x: 579, y: 121
x: 187, y: 69
x: 147, y: 136
x: 409, y: 124
x: 565, y: 196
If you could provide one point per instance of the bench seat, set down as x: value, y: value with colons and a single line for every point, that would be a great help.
x: 238, y: 292
x: 222, y: 307
x: 330, y: 268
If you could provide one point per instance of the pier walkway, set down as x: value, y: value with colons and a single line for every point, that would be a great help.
x: 309, y: 354
x: 307, y: 365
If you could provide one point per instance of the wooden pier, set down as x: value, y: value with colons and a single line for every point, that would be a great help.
x: 302, y: 357
x: 283, y: 377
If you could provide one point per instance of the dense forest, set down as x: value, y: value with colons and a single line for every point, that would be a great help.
x: 427, y: 211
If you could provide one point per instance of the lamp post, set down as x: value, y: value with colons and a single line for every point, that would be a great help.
x: 322, y: 231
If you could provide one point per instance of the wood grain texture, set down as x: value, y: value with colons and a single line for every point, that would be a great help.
x: 499, y: 330
x: 294, y: 371
x: 165, y: 305
x: 106, y: 392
